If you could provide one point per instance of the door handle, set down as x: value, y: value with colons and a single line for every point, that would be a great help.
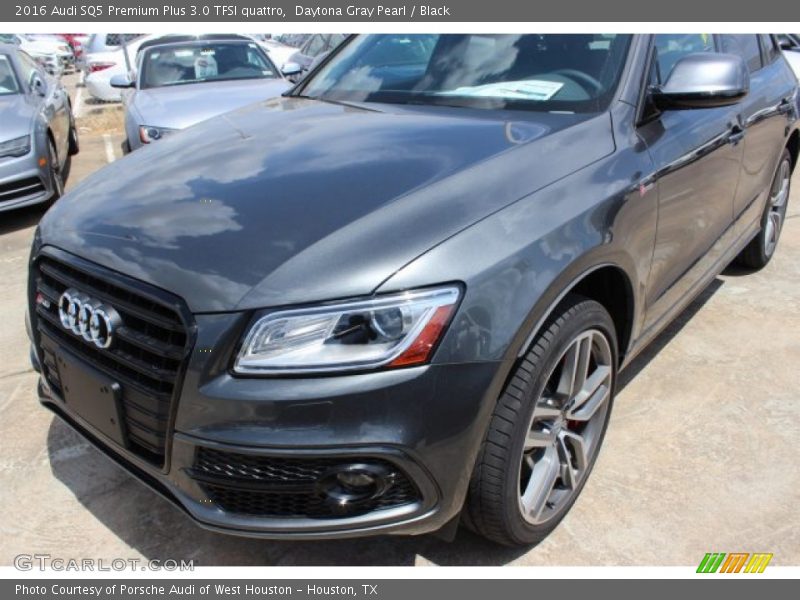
x: 785, y: 106
x: 736, y: 134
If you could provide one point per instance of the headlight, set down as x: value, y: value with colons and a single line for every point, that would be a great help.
x: 17, y: 147
x: 148, y: 133
x: 396, y: 330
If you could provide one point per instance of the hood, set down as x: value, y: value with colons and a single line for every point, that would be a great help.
x: 181, y: 106
x: 292, y: 200
x: 15, y: 115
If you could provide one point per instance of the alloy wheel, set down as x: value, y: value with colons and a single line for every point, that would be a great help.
x: 779, y: 194
x: 566, y: 426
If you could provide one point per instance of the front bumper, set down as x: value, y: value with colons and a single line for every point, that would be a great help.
x: 422, y: 424
x: 22, y: 182
x: 434, y: 451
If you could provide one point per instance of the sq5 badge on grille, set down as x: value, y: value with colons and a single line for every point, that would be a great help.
x: 89, y: 318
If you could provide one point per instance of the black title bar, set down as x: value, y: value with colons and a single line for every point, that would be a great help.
x: 385, y: 11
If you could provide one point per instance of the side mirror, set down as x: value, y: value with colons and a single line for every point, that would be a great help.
x: 120, y: 82
x: 786, y: 43
x: 704, y: 80
x: 38, y: 85
x: 291, y: 69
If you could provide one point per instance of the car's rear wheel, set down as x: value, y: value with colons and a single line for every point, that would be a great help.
x: 56, y: 176
x: 760, y: 250
x: 547, y: 427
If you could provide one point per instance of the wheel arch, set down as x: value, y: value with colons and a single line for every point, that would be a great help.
x: 51, y: 138
x: 607, y: 283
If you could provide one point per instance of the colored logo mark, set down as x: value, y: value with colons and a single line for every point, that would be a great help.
x: 735, y: 562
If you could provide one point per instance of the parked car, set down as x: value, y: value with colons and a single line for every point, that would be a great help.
x: 38, y: 133
x: 790, y: 45
x: 182, y: 80
x: 295, y: 40
x: 109, y: 42
x: 401, y: 295
x: 105, y: 65
x: 54, y: 44
x: 315, y: 45
x: 42, y: 53
x: 279, y: 53
x: 76, y: 43
x: 100, y: 51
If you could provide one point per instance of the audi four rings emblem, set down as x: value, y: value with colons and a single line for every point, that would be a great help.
x: 89, y: 318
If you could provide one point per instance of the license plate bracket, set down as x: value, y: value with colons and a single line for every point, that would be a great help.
x: 92, y: 396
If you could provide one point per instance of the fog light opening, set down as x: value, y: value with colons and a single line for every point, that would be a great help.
x: 348, y: 487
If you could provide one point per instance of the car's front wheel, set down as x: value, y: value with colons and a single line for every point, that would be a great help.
x: 547, y: 427
x: 56, y: 176
x: 74, y: 144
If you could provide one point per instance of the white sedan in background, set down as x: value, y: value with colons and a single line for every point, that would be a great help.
x: 102, y: 66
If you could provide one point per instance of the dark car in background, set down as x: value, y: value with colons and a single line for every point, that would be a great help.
x: 400, y: 296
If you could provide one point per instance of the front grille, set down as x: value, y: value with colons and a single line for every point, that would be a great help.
x: 21, y: 189
x: 146, y: 357
x: 269, y: 486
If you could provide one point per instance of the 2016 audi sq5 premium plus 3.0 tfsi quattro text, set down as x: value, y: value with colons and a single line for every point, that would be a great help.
x: 398, y: 297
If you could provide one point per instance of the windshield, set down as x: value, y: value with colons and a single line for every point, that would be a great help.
x: 574, y: 73
x: 178, y: 64
x: 8, y: 80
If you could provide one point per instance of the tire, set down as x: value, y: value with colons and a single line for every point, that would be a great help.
x: 74, y: 145
x: 56, y: 177
x: 525, y: 450
x: 761, y: 248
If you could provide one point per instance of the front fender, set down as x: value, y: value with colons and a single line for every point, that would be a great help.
x: 518, y: 262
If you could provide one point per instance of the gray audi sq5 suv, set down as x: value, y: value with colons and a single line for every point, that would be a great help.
x: 398, y: 298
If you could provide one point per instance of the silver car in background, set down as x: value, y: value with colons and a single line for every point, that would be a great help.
x: 182, y: 80
x: 37, y: 131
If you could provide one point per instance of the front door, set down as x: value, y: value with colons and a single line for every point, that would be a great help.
x: 697, y: 156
